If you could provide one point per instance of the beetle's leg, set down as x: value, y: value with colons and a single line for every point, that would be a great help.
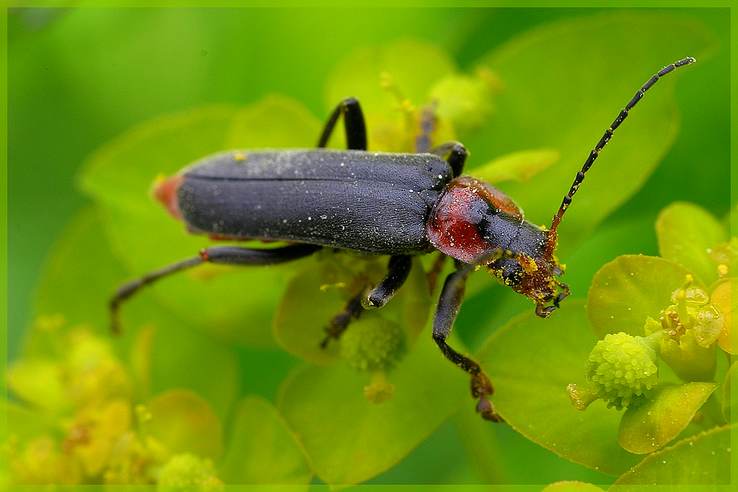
x: 353, y: 124
x: 448, y: 307
x: 454, y: 153
x: 398, y: 270
x: 428, y: 120
x: 231, y: 255
x: 338, y: 324
x: 435, y: 271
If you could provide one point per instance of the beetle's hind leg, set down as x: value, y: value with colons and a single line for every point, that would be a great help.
x: 353, y: 124
x: 454, y: 153
x: 398, y: 270
x: 230, y: 255
x: 448, y: 307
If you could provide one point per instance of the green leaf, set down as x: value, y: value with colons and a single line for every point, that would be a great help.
x: 725, y: 298
x: 23, y: 423
x: 415, y: 301
x: 181, y: 357
x: 308, y: 304
x: 653, y: 424
x: 571, y: 486
x: 274, y: 122
x: 561, y: 92
x: 729, y: 407
x: 38, y: 382
x: 261, y: 449
x: 530, y: 361
x: 517, y: 166
x: 140, y: 361
x: 390, y: 87
x: 184, y: 423
x: 630, y: 288
x: 463, y: 100
x: 164, y: 359
x: 350, y: 440
x: 687, y: 233
x: 120, y: 175
x: 75, y: 285
x: 703, y: 459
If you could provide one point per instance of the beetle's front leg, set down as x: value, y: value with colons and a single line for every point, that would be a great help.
x: 398, y: 270
x: 448, y: 307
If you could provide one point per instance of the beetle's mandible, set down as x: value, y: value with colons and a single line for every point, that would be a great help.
x: 392, y: 204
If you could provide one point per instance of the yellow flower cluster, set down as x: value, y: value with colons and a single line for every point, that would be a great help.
x: 76, y: 424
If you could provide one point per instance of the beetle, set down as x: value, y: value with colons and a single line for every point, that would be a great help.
x: 396, y: 204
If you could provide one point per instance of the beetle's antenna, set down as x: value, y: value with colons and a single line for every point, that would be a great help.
x: 606, y: 138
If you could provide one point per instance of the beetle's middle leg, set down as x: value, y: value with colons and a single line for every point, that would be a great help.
x: 230, y: 255
x: 353, y: 124
x: 398, y: 270
x: 435, y: 270
x: 448, y: 307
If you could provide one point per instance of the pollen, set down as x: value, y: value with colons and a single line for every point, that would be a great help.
x: 528, y: 264
x: 722, y: 270
x: 329, y: 286
x: 239, y: 156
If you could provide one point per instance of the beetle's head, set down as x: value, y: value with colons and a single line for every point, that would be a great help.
x: 534, y: 276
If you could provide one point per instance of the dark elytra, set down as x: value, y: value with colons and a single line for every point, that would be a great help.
x: 365, y: 201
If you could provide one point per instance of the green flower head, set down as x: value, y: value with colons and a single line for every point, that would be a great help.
x: 372, y: 344
x: 186, y: 472
x: 620, y: 369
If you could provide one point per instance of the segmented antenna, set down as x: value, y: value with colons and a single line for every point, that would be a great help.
x: 606, y: 138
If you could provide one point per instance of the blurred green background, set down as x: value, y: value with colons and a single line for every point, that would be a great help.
x: 79, y: 77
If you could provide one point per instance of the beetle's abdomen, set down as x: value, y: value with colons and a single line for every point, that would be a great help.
x: 346, y: 199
